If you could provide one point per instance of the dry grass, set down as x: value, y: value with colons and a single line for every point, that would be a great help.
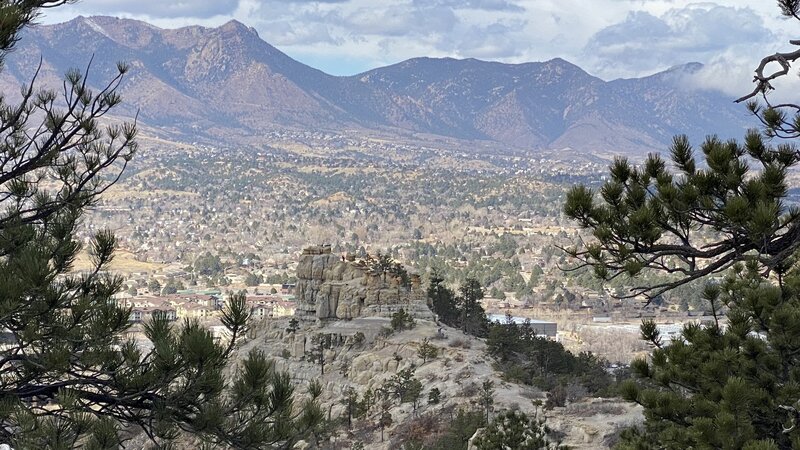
x: 589, y: 409
x: 124, y: 262
x: 125, y: 194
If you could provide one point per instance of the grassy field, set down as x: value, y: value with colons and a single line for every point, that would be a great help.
x: 124, y: 262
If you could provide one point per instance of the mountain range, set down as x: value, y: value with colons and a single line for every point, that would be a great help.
x: 224, y: 82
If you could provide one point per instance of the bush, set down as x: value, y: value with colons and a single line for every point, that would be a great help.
x: 470, y: 390
x: 385, y: 332
x: 514, y: 430
x: 416, y: 433
x: 460, y: 342
x: 556, y: 397
x: 401, y: 320
x: 434, y: 396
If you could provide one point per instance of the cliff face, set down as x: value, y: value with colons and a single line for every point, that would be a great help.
x: 331, y: 287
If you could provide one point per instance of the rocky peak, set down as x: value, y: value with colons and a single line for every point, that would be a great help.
x: 228, y: 81
x: 331, y: 286
x: 234, y: 26
x: 129, y: 33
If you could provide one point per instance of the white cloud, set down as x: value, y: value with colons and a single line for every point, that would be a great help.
x: 165, y: 9
x: 609, y: 38
x: 644, y: 43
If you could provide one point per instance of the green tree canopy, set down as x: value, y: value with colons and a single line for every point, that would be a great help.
x: 726, y: 220
x: 472, y: 316
x: 442, y: 299
x: 651, y: 217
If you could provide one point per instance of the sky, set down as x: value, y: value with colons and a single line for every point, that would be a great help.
x: 607, y: 38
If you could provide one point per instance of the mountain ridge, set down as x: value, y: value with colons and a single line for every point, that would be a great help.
x: 226, y: 81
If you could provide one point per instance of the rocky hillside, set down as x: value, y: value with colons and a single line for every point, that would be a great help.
x: 223, y: 83
x: 342, y: 336
x: 370, y: 360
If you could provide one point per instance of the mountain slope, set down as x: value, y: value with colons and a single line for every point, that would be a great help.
x: 226, y: 82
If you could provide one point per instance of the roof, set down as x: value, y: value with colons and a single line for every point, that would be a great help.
x: 502, y: 318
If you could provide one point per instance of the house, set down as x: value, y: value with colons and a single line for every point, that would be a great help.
x: 191, y: 310
x: 283, y: 309
x: 205, y: 300
x: 260, y: 311
x: 540, y: 327
x: 145, y: 314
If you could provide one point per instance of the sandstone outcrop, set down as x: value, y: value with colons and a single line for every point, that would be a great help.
x: 332, y: 286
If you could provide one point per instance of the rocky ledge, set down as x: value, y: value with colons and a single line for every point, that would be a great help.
x: 331, y: 286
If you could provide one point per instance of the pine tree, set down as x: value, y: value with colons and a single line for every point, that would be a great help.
x: 728, y: 223
x: 351, y: 405
x: 717, y: 386
x: 514, y: 430
x: 427, y: 350
x: 68, y: 376
x: 472, y: 316
x: 442, y: 300
x: 486, y: 399
x: 401, y: 320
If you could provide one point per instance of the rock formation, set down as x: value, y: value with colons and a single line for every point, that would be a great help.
x: 335, y: 287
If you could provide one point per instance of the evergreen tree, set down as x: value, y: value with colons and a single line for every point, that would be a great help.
x: 472, y: 316
x: 401, y: 320
x: 434, y: 396
x: 154, y: 286
x: 252, y: 279
x: 427, y: 350
x: 351, y: 404
x: 524, y: 357
x: 68, y: 376
x: 717, y: 386
x: 486, y: 397
x: 461, y: 429
x: 442, y: 300
x: 734, y: 385
x: 514, y: 430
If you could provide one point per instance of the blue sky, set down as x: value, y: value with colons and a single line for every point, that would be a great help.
x: 608, y: 38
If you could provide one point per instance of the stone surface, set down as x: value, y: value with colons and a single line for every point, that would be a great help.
x: 335, y: 287
x: 457, y: 372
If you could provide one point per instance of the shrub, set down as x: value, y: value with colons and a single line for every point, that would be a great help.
x: 427, y: 351
x: 514, y: 430
x: 460, y: 342
x: 434, y: 396
x: 556, y: 397
x: 401, y: 320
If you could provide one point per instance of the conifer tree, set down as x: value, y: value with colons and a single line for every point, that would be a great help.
x: 427, y: 350
x: 68, y: 376
x: 442, y: 300
x: 472, y: 316
x: 515, y: 430
x: 728, y: 223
